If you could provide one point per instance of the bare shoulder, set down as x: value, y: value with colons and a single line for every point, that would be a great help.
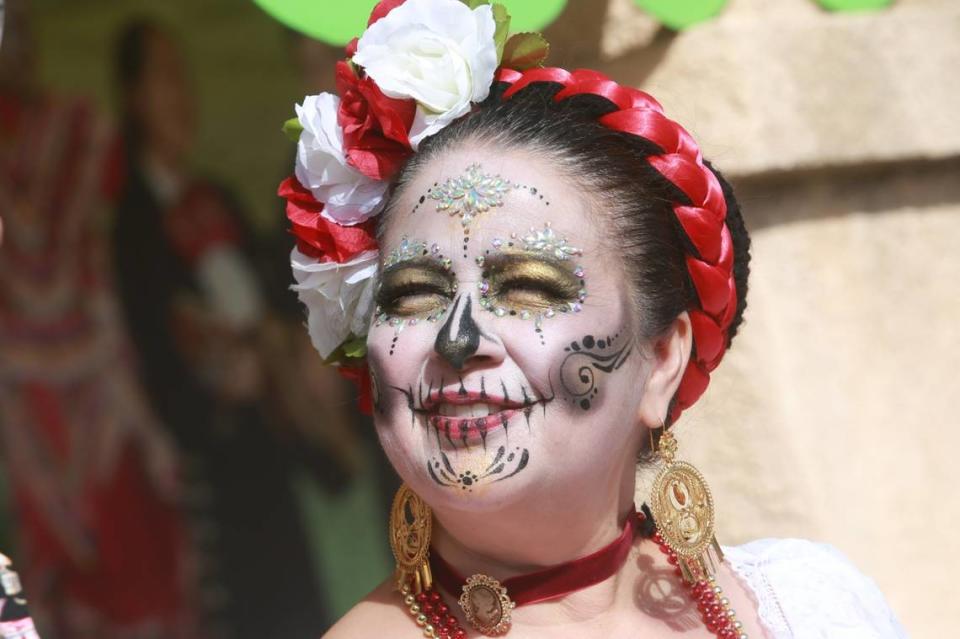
x: 379, y: 614
x: 742, y: 601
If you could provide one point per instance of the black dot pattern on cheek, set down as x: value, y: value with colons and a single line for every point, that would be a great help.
x: 393, y: 343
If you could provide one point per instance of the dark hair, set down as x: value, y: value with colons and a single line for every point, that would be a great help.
x: 613, y: 166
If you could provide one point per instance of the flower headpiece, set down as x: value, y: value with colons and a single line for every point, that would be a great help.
x: 420, y: 65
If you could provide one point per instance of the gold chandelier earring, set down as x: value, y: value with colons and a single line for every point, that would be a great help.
x: 411, y: 524
x: 682, y: 509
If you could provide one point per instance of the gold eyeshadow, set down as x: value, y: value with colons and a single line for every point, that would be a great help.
x: 532, y: 276
x: 416, y: 283
x: 414, y: 288
x: 522, y: 281
x: 413, y: 274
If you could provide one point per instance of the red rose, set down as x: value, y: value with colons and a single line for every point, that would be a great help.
x: 382, y: 9
x: 317, y: 236
x: 374, y: 126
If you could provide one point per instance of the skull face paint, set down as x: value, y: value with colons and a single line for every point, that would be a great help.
x: 476, y: 406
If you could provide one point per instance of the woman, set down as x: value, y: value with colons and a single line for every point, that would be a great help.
x: 193, y: 305
x: 558, y: 272
x: 92, y: 476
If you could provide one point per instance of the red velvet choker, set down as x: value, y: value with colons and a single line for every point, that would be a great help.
x: 487, y: 602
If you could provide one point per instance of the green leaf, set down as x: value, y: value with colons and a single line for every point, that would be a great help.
x: 525, y: 51
x: 502, y: 19
x: 352, y: 348
x: 355, y: 348
x: 292, y: 129
x: 473, y: 4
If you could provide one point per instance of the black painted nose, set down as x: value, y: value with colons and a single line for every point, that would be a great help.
x: 459, y: 337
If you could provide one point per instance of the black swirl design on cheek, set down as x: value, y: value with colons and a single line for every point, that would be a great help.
x: 503, y: 466
x: 578, y: 371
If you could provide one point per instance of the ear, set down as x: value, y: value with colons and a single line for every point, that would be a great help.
x: 671, y: 352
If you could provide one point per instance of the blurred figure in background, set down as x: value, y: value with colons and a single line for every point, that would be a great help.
x: 92, y: 477
x: 215, y: 364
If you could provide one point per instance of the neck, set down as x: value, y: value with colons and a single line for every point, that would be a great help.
x: 518, y: 540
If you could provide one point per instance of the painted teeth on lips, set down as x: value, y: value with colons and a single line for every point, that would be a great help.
x: 478, y: 409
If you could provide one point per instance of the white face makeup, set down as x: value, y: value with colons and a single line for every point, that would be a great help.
x: 502, y: 351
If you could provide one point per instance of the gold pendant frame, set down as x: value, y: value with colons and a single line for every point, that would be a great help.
x: 683, y: 512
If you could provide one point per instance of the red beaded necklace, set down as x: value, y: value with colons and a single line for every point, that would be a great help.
x: 493, y: 616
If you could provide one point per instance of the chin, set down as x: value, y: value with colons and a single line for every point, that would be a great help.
x: 482, y: 497
x: 475, y: 463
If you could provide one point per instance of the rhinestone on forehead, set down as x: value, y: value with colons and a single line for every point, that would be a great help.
x: 406, y: 250
x: 546, y: 241
x: 471, y: 193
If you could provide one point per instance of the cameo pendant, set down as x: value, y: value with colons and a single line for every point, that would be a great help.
x: 486, y: 605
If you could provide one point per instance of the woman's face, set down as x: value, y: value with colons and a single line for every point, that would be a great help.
x: 502, y: 353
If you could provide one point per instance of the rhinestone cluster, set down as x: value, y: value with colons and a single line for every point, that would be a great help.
x: 472, y: 193
x: 548, y: 242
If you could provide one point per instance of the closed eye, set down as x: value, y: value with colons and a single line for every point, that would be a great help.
x: 535, y: 293
x: 531, y: 282
x: 411, y: 290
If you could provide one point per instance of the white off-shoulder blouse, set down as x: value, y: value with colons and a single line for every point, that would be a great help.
x: 807, y: 590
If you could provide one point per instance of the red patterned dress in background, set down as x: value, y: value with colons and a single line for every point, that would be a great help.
x: 92, y: 479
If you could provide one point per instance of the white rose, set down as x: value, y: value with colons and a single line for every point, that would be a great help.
x: 349, y: 197
x: 338, y: 297
x: 438, y: 52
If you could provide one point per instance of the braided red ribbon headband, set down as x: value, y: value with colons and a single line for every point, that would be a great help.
x: 681, y: 162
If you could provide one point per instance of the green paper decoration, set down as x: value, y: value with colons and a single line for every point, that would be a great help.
x: 337, y: 22
x: 854, y: 5
x: 680, y: 14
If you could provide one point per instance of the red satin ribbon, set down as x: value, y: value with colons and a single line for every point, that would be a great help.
x: 555, y: 581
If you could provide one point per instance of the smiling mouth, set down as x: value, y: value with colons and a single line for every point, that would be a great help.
x: 468, y: 416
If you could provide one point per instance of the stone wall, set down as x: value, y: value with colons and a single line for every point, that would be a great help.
x: 832, y: 417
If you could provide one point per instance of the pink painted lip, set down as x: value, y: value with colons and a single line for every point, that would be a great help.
x: 471, y: 428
